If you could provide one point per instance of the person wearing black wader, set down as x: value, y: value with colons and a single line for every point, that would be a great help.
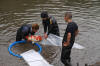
x: 26, y: 30
x: 50, y: 23
x: 68, y: 39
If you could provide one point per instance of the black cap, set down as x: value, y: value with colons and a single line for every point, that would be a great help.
x: 44, y: 14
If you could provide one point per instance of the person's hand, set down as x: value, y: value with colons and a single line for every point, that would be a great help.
x: 45, y: 36
x: 65, y: 44
x: 29, y: 40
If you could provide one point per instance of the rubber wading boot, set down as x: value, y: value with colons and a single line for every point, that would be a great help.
x: 68, y: 63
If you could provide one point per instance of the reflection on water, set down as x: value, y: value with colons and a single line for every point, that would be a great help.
x: 14, y: 13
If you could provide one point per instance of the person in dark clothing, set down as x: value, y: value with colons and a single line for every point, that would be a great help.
x: 26, y: 30
x: 50, y: 23
x: 68, y: 39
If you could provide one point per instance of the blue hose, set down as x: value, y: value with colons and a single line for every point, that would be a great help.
x: 38, y: 47
x: 16, y: 42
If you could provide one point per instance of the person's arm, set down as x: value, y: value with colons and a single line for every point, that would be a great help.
x: 45, y: 27
x: 69, y: 32
x: 68, y: 39
x: 51, y: 27
x: 76, y: 32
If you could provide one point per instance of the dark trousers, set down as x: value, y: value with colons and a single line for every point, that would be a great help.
x: 65, y: 55
x: 19, y: 35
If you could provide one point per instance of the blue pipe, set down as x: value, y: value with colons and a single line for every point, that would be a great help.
x: 16, y: 42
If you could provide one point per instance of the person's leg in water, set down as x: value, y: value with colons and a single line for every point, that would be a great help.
x: 18, y: 35
x: 65, y: 56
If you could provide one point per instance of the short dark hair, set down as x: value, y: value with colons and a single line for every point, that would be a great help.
x: 35, y: 26
x: 44, y: 14
x: 68, y: 14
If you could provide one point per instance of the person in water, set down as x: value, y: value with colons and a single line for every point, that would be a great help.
x: 68, y: 39
x: 26, y: 30
x: 50, y: 23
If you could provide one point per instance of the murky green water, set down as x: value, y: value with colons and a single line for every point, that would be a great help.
x: 14, y: 13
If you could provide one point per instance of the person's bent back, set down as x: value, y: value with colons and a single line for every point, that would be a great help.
x: 26, y: 30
